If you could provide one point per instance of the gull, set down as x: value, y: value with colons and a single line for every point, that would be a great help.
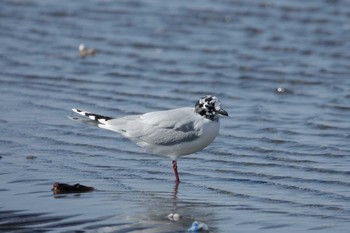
x: 171, y: 133
x: 83, y: 51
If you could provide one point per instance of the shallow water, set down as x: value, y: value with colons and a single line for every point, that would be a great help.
x: 280, y: 68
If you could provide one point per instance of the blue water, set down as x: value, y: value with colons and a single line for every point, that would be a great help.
x: 280, y: 68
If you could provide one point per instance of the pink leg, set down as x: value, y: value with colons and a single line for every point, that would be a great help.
x: 175, y: 171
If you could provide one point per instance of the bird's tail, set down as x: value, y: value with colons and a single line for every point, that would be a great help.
x: 93, y: 116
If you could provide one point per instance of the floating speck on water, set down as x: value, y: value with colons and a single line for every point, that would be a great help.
x: 280, y: 89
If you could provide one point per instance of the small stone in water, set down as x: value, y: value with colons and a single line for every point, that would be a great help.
x: 174, y: 217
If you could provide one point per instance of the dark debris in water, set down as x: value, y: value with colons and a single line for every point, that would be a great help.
x: 62, y: 188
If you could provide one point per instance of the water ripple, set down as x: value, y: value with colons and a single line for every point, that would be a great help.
x: 279, y: 68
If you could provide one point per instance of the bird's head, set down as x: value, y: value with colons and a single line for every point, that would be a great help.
x: 209, y: 107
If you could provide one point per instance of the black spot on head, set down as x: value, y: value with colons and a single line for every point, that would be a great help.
x: 206, y: 107
x: 208, y: 99
x: 202, y: 112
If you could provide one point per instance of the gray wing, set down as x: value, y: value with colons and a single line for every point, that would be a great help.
x: 157, y: 128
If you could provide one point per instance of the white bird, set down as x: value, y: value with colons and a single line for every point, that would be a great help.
x: 171, y: 133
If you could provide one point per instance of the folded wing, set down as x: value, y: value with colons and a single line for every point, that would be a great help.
x: 157, y: 128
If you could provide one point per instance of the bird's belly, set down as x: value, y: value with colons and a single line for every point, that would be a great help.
x: 208, y: 134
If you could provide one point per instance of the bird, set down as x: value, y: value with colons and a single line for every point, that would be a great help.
x: 172, y: 133
x: 83, y: 51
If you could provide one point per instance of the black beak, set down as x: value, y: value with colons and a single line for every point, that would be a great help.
x: 223, y: 112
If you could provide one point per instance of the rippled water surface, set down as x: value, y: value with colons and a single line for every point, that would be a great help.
x: 280, y: 68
